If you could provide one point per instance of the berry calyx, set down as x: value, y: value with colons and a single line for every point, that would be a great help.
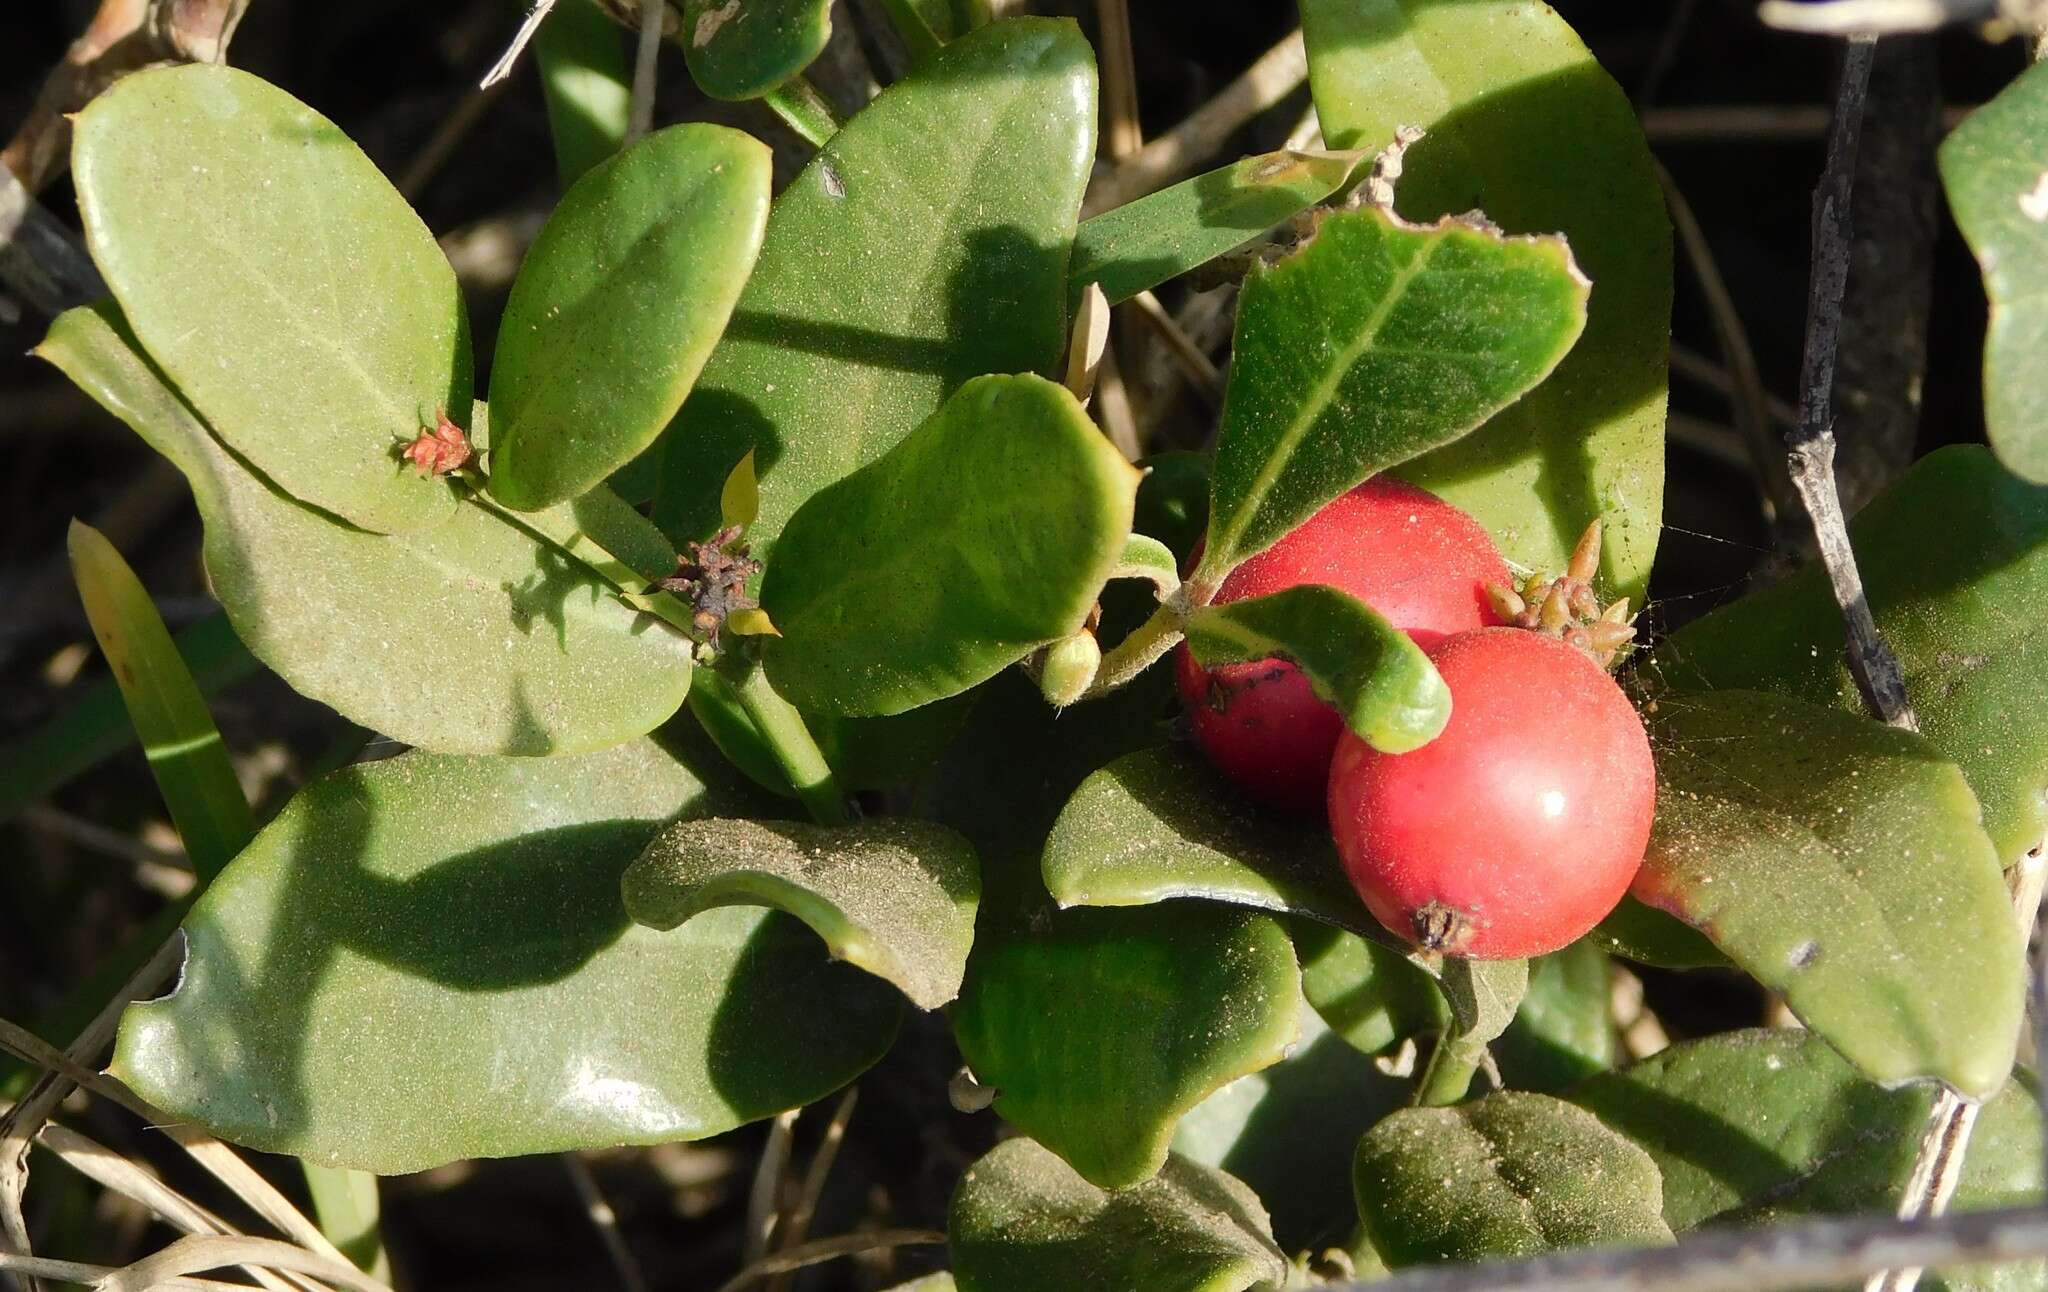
x: 1408, y: 554
x: 1520, y: 827
x: 1567, y: 608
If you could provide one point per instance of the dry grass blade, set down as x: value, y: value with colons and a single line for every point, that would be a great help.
x: 826, y: 1249
x: 1200, y: 369
x: 820, y: 1169
x: 520, y: 39
x: 764, y: 1200
x: 191, y: 1255
x: 1175, y: 154
x: 605, y: 1221
x: 79, y: 1272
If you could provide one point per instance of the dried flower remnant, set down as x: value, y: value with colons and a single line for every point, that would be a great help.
x: 712, y: 577
x: 441, y: 451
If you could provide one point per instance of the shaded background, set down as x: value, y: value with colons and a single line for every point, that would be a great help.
x: 1736, y: 113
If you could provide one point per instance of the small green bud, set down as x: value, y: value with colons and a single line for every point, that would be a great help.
x: 1070, y: 666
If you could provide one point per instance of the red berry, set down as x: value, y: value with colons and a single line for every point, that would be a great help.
x: 1406, y: 553
x: 1517, y: 829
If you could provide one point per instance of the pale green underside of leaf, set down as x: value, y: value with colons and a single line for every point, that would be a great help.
x: 281, y: 282
x: 618, y: 305
x: 1564, y: 1030
x: 1996, y: 173
x: 1373, y: 344
x: 1370, y: 994
x: 1163, y: 823
x: 1954, y: 559
x: 895, y: 896
x: 478, y: 636
x: 1763, y: 1127
x: 1839, y: 861
x: 1161, y: 236
x: 926, y: 244
x: 1023, y: 1221
x: 1524, y: 125
x: 1377, y: 677
x: 1098, y: 1029
x: 986, y: 534
x: 1513, y: 1174
x: 426, y: 959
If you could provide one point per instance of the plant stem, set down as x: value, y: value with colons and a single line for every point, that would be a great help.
x: 804, y: 110
x: 1137, y: 652
x: 640, y: 118
x: 794, y: 748
x: 1448, y: 1078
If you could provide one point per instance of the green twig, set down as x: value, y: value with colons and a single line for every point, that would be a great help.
x: 804, y: 110
x: 918, y: 37
x: 1448, y: 1078
x: 794, y: 747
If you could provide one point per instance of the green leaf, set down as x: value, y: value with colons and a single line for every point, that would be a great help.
x: 280, y: 281
x: 895, y: 896
x: 1376, y: 342
x: 1840, y: 863
x: 1760, y: 1126
x: 742, y: 49
x: 588, y: 84
x: 617, y: 307
x: 1099, y: 1029
x: 426, y: 959
x: 1163, y: 823
x: 1564, y: 1031
x: 1377, y: 677
x: 1023, y: 1221
x: 1947, y: 553
x: 1372, y: 995
x: 345, y: 1203
x: 926, y: 244
x: 1513, y: 1174
x: 1997, y: 181
x: 1151, y: 560
x: 986, y: 534
x: 178, y: 737
x: 1144, y: 243
x: 1483, y: 996
x: 1647, y: 936
x: 1289, y: 1131
x: 1524, y: 125
x: 476, y: 637
x: 1173, y: 501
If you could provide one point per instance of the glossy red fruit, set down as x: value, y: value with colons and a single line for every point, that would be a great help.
x: 1408, y: 554
x: 1517, y: 829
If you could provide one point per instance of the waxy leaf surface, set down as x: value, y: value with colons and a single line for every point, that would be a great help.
x: 926, y: 244
x: 1840, y: 862
x: 895, y: 896
x: 427, y: 959
x: 742, y: 49
x: 280, y: 281
x: 1524, y: 125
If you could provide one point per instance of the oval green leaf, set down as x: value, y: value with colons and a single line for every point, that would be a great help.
x: 480, y: 636
x: 1758, y: 1127
x: 926, y: 244
x: 1289, y: 1131
x: 1513, y: 1174
x: 1949, y: 553
x: 895, y: 896
x: 1840, y: 862
x: 1144, y: 243
x: 1377, y: 677
x: 1524, y: 125
x: 742, y: 49
x: 1374, y: 343
x: 1996, y: 175
x: 1163, y: 823
x: 280, y: 281
x: 426, y: 959
x: 617, y: 307
x: 1023, y: 1221
x: 1099, y: 1029
x: 986, y: 534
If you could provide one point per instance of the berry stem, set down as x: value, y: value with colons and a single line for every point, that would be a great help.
x: 1145, y: 646
x: 794, y: 748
